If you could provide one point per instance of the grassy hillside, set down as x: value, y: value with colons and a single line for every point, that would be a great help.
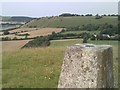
x: 70, y: 21
x: 40, y: 67
x: 15, y: 19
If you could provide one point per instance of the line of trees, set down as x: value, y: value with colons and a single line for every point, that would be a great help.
x: 69, y: 14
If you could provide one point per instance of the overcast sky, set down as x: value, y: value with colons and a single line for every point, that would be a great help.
x: 59, y: 0
x: 39, y: 9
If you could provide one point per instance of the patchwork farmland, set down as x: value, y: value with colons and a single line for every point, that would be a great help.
x: 33, y: 32
x: 23, y: 68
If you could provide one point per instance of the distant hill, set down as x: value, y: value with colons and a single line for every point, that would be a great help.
x: 15, y: 19
x: 61, y: 22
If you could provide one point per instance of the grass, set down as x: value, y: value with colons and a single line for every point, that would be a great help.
x: 34, y: 68
x: 70, y: 21
x: 65, y: 42
x: 40, y: 67
x: 79, y: 32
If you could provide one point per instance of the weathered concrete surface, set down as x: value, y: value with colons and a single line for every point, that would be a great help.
x: 87, y: 66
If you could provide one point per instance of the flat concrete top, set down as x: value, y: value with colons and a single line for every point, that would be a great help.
x: 93, y: 46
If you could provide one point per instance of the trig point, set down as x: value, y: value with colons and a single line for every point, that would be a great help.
x: 87, y: 66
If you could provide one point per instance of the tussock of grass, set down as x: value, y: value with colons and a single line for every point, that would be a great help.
x: 35, y: 67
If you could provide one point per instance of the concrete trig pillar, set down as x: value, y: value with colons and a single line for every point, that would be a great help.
x: 87, y: 66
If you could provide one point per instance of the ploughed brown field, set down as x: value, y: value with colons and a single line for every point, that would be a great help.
x: 13, y: 45
x: 33, y: 32
x: 44, y: 32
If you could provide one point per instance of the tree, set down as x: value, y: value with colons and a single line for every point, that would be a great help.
x: 104, y: 15
x: 26, y: 35
x: 5, y: 32
x: 15, y: 38
x: 85, y: 38
x: 88, y: 15
x: 98, y: 16
x: 6, y: 38
x: 68, y: 15
x: 93, y: 37
x: 82, y: 15
x: 38, y: 42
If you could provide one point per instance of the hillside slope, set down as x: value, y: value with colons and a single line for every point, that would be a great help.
x: 55, y: 22
x: 15, y: 19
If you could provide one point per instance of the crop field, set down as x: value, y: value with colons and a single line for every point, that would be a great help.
x: 44, y: 32
x: 13, y: 45
x: 40, y: 67
x: 55, y: 22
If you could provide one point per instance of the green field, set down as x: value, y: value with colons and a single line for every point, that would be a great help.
x: 55, y: 22
x: 32, y: 67
x: 40, y: 67
x: 79, y: 32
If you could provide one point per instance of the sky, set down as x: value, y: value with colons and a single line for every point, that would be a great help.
x: 41, y: 9
x: 59, y: 0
